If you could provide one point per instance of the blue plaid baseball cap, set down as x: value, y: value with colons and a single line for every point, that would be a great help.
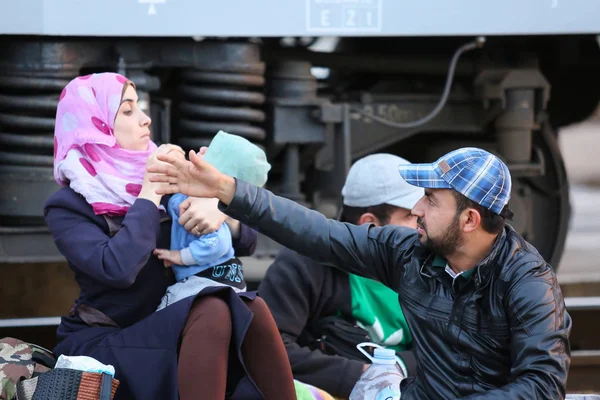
x: 475, y: 173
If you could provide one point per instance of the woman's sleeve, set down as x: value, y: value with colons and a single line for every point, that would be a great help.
x: 114, y: 261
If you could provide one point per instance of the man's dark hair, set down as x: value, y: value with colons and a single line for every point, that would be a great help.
x: 490, y: 222
x: 381, y: 211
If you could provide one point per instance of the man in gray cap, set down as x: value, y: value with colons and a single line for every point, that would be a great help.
x: 323, y: 313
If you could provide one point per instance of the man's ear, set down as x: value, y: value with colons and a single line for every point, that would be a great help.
x: 472, y: 220
x: 368, y: 218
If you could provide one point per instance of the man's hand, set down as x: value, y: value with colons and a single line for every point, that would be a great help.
x: 195, y: 178
x: 169, y: 257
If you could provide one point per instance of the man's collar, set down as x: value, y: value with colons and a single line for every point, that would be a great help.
x: 440, y: 262
x: 483, y: 267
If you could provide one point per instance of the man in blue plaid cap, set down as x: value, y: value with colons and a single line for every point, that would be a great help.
x: 485, y: 310
x: 477, y: 182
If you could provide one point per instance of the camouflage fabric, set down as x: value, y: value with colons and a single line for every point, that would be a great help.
x: 16, y: 363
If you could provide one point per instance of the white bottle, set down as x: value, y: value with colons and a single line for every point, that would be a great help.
x: 381, y: 381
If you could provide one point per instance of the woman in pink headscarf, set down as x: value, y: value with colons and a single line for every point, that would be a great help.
x: 106, y: 221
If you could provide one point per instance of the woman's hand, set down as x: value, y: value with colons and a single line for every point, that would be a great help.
x: 200, y: 216
x: 172, y: 149
x: 195, y: 178
x: 149, y: 188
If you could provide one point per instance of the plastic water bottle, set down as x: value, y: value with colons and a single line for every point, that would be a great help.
x: 381, y: 381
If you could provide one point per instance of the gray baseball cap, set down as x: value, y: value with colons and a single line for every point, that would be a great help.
x: 374, y: 180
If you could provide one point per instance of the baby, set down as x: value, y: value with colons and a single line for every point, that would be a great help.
x: 209, y: 260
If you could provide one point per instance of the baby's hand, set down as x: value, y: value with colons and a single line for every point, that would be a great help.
x: 169, y: 257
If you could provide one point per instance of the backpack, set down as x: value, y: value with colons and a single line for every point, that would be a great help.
x: 26, y: 373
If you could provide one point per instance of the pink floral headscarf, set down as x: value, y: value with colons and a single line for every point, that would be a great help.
x: 86, y: 154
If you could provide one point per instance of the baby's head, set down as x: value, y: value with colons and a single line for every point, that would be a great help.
x: 237, y: 157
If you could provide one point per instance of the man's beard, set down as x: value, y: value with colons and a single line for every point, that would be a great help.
x: 447, y: 243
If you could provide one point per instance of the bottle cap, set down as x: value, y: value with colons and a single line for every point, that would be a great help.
x: 384, y: 356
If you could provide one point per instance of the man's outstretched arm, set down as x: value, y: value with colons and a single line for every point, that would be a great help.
x: 376, y: 252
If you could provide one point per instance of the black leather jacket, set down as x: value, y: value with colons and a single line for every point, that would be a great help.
x: 501, y: 333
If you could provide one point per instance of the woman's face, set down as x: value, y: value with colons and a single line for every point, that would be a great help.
x: 132, y: 125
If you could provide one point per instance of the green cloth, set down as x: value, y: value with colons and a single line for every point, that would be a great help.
x: 377, y: 310
x: 239, y: 158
